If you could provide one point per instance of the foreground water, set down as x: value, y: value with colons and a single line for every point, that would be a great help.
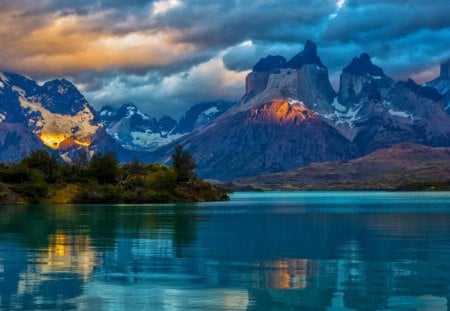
x: 261, y: 251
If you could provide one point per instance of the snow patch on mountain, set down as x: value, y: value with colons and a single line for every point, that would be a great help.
x: 149, y: 140
x: 401, y: 114
x: 3, y: 78
x: 106, y: 113
x: 135, y: 130
x: 132, y: 110
x: 342, y: 116
x: 53, y: 128
x: 211, y: 111
x: 19, y: 90
x: 295, y: 102
x: 337, y: 105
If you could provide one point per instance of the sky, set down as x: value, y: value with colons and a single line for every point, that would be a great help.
x: 167, y: 55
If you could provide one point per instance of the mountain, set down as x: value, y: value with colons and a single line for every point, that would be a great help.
x: 274, y: 136
x: 398, y: 167
x: 17, y: 141
x: 290, y: 116
x: 55, y: 115
x: 374, y: 111
x: 302, y: 78
x: 360, y: 78
x: 135, y: 130
x: 277, y: 125
x: 442, y: 84
x: 201, y: 114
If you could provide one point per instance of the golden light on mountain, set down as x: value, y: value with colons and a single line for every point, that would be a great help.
x: 58, y: 131
x: 52, y: 140
x: 282, y: 111
x: 62, y: 141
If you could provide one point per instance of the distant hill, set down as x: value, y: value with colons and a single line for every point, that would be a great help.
x: 402, y: 167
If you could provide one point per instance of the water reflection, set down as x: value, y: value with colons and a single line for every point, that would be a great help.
x: 226, y: 256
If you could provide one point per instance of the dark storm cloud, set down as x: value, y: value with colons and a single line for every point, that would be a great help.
x: 224, y: 23
x: 165, y: 55
x: 362, y: 22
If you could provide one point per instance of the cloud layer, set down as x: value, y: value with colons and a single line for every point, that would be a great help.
x: 166, y: 55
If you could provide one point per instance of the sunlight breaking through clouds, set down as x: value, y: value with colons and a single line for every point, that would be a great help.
x: 162, y: 6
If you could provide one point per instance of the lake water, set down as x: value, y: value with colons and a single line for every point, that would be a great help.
x: 260, y: 251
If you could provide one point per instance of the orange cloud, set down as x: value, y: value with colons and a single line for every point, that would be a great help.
x: 70, y: 44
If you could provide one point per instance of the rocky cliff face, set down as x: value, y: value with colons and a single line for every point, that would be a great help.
x: 303, y: 78
x: 360, y: 79
x: 442, y: 84
x: 374, y: 111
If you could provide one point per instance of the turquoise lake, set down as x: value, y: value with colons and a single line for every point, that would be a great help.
x: 260, y: 251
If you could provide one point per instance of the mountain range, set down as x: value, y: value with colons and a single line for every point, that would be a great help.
x: 57, y: 117
x: 137, y: 131
x: 289, y: 117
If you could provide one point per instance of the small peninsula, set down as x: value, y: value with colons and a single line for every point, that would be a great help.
x: 40, y: 178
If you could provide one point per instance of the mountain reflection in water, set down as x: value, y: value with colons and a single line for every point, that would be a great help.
x: 342, y: 251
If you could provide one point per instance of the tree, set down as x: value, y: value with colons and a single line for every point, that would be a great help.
x: 80, y: 162
x: 134, y: 167
x: 183, y: 164
x: 104, y: 168
x: 41, y: 160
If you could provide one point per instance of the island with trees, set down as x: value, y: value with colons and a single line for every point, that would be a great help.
x: 40, y: 178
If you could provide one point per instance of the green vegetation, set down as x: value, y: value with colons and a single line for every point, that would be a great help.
x: 41, y: 178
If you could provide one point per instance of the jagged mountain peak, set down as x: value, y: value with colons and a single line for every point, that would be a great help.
x: 303, y: 78
x: 269, y: 63
x: 107, y: 108
x: 127, y: 110
x: 61, y: 86
x: 19, y: 81
x: 363, y: 65
x: 306, y: 57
